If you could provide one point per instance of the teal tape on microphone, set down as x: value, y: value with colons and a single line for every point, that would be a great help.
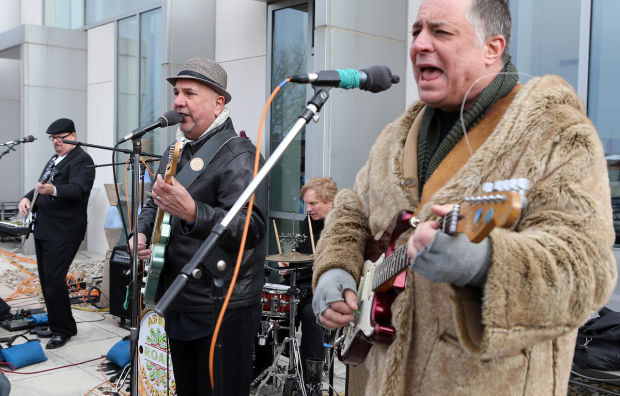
x: 349, y: 78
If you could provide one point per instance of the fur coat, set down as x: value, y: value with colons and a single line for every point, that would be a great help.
x: 548, y: 274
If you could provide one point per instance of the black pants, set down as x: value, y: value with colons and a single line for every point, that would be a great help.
x: 190, y: 359
x: 311, y: 334
x: 53, y: 262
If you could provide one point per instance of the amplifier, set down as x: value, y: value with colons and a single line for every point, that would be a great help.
x: 120, y: 281
x: 5, y: 309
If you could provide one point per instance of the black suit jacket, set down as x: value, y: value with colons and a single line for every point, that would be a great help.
x: 63, y: 217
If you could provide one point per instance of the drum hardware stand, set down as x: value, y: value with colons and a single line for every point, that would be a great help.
x: 294, y: 239
x: 294, y: 372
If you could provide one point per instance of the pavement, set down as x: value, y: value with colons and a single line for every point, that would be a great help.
x: 80, y: 367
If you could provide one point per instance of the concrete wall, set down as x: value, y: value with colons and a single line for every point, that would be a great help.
x: 355, y: 34
x: 12, y: 162
x: 53, y: 86
x: 241, y: 48
x: 185, y: 35
x: 10, y: 15
x: 100, y: 125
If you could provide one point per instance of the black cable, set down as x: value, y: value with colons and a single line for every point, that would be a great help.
x: 118, y: 197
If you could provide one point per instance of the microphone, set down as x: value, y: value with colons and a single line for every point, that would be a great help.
x: 374, y: 78
x: 26, y: 139
x: 169, y: 118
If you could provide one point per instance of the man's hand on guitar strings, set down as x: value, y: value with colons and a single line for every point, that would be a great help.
x: 340, y: 313
x: 174, y: 199
x: 23, y: 206
x: 144, y: 252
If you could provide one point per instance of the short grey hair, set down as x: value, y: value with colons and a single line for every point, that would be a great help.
x: 491, y: 17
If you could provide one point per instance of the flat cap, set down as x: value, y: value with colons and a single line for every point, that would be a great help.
x: 61, y: 125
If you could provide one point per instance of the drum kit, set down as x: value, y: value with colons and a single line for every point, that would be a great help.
x: 279, y: 304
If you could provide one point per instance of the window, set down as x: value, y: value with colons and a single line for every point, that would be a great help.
x: 102, y: 10
x: 138, y: 79
x: 545, y: 38
x: 67, y: 14
x: 139, y: 75
x: 603, y: 86
x: 290, y: 45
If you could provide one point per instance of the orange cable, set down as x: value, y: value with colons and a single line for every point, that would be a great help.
x: 147, y: 168
x: 243, y: 237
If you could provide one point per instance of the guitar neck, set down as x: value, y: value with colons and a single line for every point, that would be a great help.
x: 173, y: 158
x: 475, y: 218
x: 34, y: 199
x: 390, y: 267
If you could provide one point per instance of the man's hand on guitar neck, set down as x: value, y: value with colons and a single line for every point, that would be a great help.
x: 425, y: 232
x: 45, y: 188
x: 454, y: 259
x: 174, y: 199
x: 144, y: 252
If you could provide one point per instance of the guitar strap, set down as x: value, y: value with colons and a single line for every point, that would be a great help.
x: 450, y: 165
x: 203, y: 157
x: 460, y: 154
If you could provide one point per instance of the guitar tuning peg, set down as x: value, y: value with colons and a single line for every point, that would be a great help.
x: 487, y: 187
x: 523, y: 183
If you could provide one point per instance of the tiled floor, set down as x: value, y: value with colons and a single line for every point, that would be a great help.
x: 76, y: 368
x: 73, y: 369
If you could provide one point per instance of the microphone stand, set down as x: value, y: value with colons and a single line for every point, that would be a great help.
x: 9, y: 148
x: 130, y: 152
x: 217, y: 270
x: 135, y: 291
x: 135, y: 298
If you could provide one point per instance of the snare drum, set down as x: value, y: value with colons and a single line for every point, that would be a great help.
x: 274, y: 300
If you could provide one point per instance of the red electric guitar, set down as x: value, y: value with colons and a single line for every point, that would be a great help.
x: 383, y: 280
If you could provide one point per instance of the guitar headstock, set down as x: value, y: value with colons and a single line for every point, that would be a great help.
x: 478, y: 215
x: 173, y: 160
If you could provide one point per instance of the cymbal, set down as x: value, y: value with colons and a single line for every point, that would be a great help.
x: 292, y: 257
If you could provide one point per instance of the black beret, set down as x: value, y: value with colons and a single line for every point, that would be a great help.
x: 61, y: 125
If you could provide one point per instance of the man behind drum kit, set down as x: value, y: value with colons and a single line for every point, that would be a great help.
x: 318, y: 195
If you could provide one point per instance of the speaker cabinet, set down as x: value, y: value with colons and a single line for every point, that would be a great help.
x: 120, y: 282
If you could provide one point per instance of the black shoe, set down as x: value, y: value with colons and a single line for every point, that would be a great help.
x: 47, y: 333
x: 57, y: 341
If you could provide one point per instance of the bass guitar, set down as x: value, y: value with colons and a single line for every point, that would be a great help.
x: 384, y: 279
x: 160, y: 236
x: 46, y: 177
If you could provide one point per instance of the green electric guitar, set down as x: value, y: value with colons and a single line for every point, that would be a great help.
x: 160, y: 237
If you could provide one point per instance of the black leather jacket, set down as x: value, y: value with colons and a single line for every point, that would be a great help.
x: 215, y: 191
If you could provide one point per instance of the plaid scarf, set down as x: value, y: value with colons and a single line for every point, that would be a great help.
x: 431, y: 151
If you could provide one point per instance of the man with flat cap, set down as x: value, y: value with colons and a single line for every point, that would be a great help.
x: 220, y: 178
x: 60, y: 225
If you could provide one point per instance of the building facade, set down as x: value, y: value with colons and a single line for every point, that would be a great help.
x: 103, y: 63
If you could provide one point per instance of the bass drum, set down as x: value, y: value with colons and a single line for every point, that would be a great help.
x: 155, y: 364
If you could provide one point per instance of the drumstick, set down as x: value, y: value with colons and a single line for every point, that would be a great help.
x: 311, y: 235
x: 275, y: 229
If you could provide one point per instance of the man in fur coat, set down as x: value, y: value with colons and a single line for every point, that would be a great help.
x: 499, y: 316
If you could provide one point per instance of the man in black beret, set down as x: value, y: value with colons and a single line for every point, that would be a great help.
x: 60, y: 224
